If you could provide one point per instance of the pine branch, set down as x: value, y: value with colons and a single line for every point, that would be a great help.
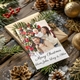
x: 49, y: 68
x: 47, y: 15
x: 10, y: 51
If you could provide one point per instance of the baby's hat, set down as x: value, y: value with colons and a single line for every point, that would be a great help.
x: 34, y: 30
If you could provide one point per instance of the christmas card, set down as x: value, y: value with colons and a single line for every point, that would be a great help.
x: 40, y: 43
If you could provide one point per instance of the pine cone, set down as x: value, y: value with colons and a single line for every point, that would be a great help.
x: 41, y: 5
x: 57, y: 4
x: 57, y: 75
x: 20, y: 73
x: 75, y: 70
x: 73, y: 25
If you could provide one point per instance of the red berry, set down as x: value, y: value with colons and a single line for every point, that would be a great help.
x: 26, y: 40
x: 17, y: 11
x: 10, y: 8
x: 12, y: 11
x: 23, y: 33
x: 18, y: 8
x: 7, y: 16
x: 31, y: 48
x: 38, y: 26
x: 4, y: 15
x: 26, y: 47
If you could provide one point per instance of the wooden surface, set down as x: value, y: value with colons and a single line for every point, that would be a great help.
x: 16, y: 60
x: 7, y: 36
x: 21, y: 58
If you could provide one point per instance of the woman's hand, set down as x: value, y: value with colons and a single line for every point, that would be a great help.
x: 41, y: 45
x: 37, y: 46
x: 38, y: 49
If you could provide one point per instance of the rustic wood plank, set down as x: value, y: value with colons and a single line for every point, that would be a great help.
x: 6, y: 35
x: 9, y: 44
x: 2, y: 60
x: 70, y: 38
x: 67, y: 46
x: 39, y: 76
x: 26, y: 11
x: 71, y: 50
x: 16, y: 60
x: 72, y: 57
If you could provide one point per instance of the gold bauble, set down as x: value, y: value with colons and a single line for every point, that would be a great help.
x: 72, y: 9
x: 76, y: 41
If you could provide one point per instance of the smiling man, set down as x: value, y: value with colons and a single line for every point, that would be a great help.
x: 42, y: 45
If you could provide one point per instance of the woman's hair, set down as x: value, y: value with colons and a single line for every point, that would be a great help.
x: 47, y: 30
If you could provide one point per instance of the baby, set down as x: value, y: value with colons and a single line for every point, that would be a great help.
x: 37, y: 33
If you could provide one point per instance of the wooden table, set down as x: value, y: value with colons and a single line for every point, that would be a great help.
x: 21, y: 58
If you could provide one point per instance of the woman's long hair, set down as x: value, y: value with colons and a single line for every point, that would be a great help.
x: 47, y: 30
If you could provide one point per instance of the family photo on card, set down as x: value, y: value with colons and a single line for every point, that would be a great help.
x: 43, y: 45
x: 44, y: 39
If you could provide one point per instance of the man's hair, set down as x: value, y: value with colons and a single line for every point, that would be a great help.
x: 36, y: 37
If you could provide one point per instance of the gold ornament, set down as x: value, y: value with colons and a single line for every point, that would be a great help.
x: 72, y: 9
x: 76, y: 41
